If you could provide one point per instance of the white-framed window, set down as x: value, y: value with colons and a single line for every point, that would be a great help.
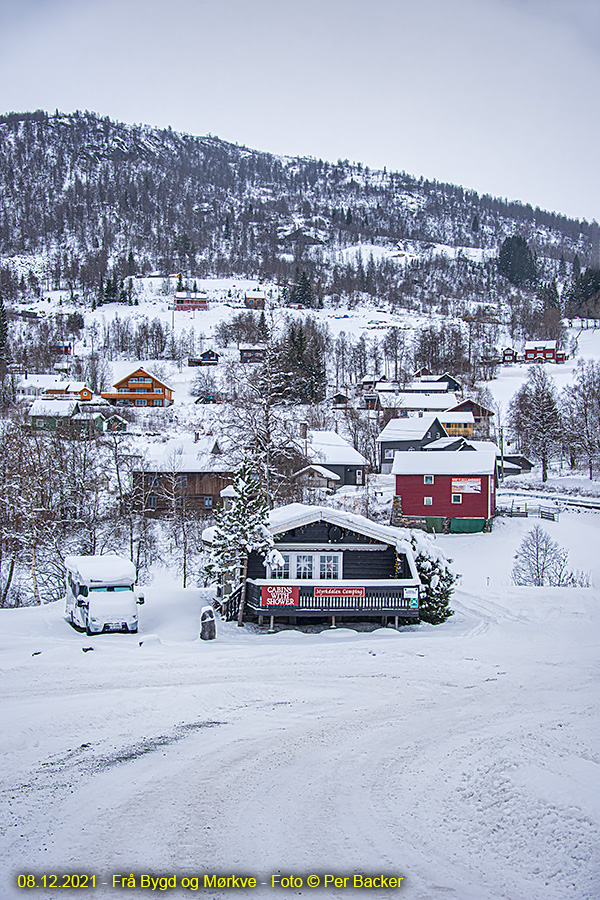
x: 140, y: 402
x: 158, y: 402
x: 304, y: 565
x: 457, y: 498
x: 388, y: 454
x: 153, y: 480
x: 208, y: 502
x: 151, y: 502
x: 281, y: 571
x: 314, y: 566
x: 329, y: 566
x: 428, y: 479
x: 182, y: 481
x: 428, y: 501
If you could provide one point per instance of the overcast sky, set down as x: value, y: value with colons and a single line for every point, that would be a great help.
x: 497, y: 95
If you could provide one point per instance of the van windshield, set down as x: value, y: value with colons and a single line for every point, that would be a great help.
x: 112, y: 589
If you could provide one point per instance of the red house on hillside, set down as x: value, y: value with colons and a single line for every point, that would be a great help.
x: 451, y: 491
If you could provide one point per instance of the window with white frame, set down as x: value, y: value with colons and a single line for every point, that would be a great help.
x: 329, y: 566
x: 428, y: 501
x: 308, y: 567
x: 457, y: 498
x: 281, y: 571
x: 182, y: 481
x: 304, y: 565
x: 427, y: 479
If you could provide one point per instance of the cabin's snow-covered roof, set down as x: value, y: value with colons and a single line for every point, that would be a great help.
x: 184, y: 454
x: 38, y: 382
x: 410, y: 429
x: 442, y: 443
x: 143, y: 371
x: 403, y: 400
x: 295, y: 515
x: 61, y: 408
x: 106, y: 569
x: 68, y: 386
x: 427, y: 387
x: 540, y: 345
x: 329, y: 448
x: 457, y: 418
x: 320, y: 470
x: 407, y: 462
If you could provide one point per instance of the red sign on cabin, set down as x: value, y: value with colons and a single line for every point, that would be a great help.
x: 338, y: 592
x: 279, y: 595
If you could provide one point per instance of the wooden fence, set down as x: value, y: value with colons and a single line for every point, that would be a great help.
x: 523, y: 509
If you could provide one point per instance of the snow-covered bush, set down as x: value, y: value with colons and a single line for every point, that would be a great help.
x: 437, y: 579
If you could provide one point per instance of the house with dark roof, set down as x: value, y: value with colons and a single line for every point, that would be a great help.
x: 412, y: 433
x: 339, y: 463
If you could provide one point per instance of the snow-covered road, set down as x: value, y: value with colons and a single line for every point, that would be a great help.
x: 463, y: 757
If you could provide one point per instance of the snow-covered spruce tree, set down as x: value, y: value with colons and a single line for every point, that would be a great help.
x: 240, y: 527
x: 437, y: 580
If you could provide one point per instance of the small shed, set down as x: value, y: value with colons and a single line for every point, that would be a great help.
x: 208, y: 358
x: 254, y: 300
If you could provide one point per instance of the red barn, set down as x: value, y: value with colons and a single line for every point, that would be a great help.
x: 450, y: 491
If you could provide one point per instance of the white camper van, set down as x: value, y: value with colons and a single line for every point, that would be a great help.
x: 100, y: 593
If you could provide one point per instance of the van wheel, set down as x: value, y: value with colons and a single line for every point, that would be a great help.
x: 88, y: 630
x: 133, y: 630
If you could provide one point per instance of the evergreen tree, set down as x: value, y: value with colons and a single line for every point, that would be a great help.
x: 437, y: 581
x: 548, y: 295
x: 516, y: 261
x: 179, y: 283
x: 263, y: 329
x: 239, y: 529
x: 303, y: 294
x: 535, y: 418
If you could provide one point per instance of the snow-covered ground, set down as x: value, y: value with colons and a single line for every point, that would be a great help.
x: 463, y: 757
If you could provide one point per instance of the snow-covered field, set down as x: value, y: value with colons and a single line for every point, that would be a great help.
x: 463, y: 757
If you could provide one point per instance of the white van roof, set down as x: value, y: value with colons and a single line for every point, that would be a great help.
x: 106, y: 569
